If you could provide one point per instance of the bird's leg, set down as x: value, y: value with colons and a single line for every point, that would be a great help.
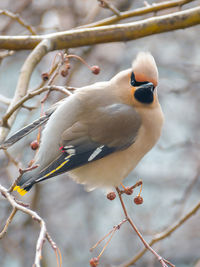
x: 147, y: 246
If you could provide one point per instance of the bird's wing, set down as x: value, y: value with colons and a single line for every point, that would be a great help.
x: 93, y: 137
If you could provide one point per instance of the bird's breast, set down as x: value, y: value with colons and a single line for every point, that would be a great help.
x: 110, y: 171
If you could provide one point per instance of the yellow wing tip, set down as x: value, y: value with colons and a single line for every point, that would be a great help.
x: 20, y: 190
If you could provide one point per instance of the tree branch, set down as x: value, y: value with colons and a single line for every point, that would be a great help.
x: 162, y: 261
x: 18, y: 19
x: 163, y: 235
x: 31, y: 95
x: 25, y: 74
x: 9, y: 220
x: 43, y: 231
x: 138, y: 12
x: 105, y: 34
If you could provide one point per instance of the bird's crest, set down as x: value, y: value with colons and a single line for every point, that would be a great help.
x: 145, y: 69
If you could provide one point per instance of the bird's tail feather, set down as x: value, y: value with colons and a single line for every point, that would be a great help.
x: 26, y: 182
x: 25, y: 131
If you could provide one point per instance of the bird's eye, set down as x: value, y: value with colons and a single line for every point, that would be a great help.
x: 134, y: 82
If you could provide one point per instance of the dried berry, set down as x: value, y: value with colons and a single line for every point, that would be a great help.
x: 111, y: 196
x: 68, y: 66
x: 95, y: 69
x: 34, y: 145
x: 128, y: 191
x: 94, y: 262
x: 138, y: 200
x: 64, y: 72
x: 45, y: 76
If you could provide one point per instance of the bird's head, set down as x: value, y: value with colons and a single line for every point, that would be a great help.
x: 144, y: 79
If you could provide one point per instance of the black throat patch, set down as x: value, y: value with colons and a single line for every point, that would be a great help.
x: 144, y: 95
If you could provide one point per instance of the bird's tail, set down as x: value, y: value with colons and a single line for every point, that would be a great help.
x: 26, y: 182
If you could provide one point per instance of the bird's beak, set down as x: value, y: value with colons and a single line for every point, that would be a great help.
x: 147, y: 86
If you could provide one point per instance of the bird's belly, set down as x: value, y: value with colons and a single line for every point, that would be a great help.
x: 110, y: 171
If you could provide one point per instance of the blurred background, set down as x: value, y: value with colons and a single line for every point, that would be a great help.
x: 77, y: 219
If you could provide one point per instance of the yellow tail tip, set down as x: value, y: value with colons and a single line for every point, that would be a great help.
x: 20, y: 190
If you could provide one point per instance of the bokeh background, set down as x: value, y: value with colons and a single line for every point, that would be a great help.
x: 75, y: 218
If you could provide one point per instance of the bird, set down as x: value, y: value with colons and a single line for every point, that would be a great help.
x: 100, y: 132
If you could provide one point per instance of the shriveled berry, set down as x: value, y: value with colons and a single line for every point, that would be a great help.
x: 95, y: 69
x: 111, y: 196
x: 138, y: 200
x: 34, y: 145
x: 68, y: 66
x: 94, y: 262
x: 128, y: 191
x: 64, y: 72
x: 45, y: 76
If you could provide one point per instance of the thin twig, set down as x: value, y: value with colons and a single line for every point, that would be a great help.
x: 31, y: 95
x: 116, y: 227
x: 106, y: 34
x: 4, y: 54
x: 25, y: 74
x: 106, y: 4
x: 18, y: 19
x: 51, y: 80
x: 36, y: 217
x: 138, y: 12
x: 19, y: 9
x: 182, y: 144
x: 9, y: 220
x: 163, y: 235
x: 10, y: 158
x: 186, y: 193
x: 147, y: 246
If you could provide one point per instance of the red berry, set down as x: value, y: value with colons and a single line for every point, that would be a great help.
x: 138, y: 200
x: 45, y: 76
x: 94, y: 262
x: 95, y: 69
x: 34, y: 145
x: 68, y: 66
x: 111, y: 196
x: 64, y: 72
x: 128, y: 191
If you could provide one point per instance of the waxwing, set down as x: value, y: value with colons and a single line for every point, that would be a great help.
x: 100, y: 133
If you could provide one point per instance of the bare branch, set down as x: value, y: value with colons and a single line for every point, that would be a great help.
x: 5, y: 100
x: 43, y: 231
x: 18, y: 19
x: 106, y: 4
x: 31, y: 95
x: 4, y: 54
x: 138, y: 12
x: 182, y: 144
x: 19, y: 9
x: 163, y: 235
x: 147, y: 246
x: 9, y: 220
x: 105, y: 34
x: 24, y: 78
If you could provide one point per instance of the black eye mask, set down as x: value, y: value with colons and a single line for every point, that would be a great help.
x: 134, y: 82
x: 144, y: 93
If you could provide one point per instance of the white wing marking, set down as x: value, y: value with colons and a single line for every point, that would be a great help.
x: 95, y: 153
